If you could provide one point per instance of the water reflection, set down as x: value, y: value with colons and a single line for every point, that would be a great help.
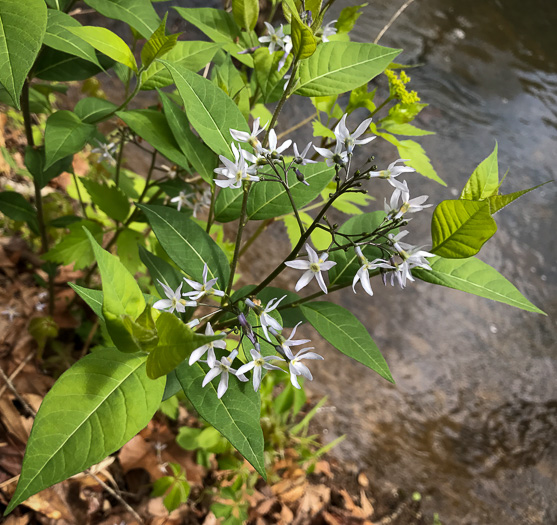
x: 472, y: 421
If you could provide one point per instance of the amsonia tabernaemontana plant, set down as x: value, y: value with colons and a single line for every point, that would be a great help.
x: 218, y: 156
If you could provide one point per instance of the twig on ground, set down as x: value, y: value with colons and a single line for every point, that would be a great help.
x: 16, y: 372
x: 13, y: 390
x: 392, y: 20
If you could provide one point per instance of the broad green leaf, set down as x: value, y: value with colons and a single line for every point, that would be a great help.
x: 338, y: 67
x: 152, y: 126
x: 459, y: 228
x: 217, y: 24
x: 176, y: 342
x: 95, y: 407
x: 408, y: 149
x: 235, y: 415
x: 14, y: 206
x: 267, y: 200
x: 200, y: 156
x: 92, y: 110
x: 347, y: 262
x: 160, y: 271
x: 123, y: 301
x: 211, y: 112
x: 75, y: 246
x: 484, y: 182
x: 476, y: 277
x: 192, y: 55
x: 406, y: 129
x: 498, y: 202
x: 109, y: 198
x: 320, y: 130
x: 59, y: 37
x: 158, y: 45
x: 246, y: 13
x: 303, y: 41
x: 361, y: 98
x: 127, y: 246
x: 269, y: 78
x: 65, y: 134
x: 348, y: 17
x: 347, y: 334
x: 94, y: 298
x: 137, y: 13
x: 187, y: 244
x: 108, y: 43
x: 57, y: 66
x: 35, y: 161
x: 232, y: 81
x: 22, y: 27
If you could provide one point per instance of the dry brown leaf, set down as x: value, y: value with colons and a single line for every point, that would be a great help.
x: 17, y: 520
x: 286, y: 515
x: 293, y: 495
x: 17, y: 425
x: 286, y: 485
x: 330, y: 519
x: 366, y: 505
x: 49, y: 503
x: 363, y: 480
x: 315, y: 498
x: 324, y: 467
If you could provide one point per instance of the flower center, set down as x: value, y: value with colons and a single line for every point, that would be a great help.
x: 404, y: 208
x: 259, y: 362
x: 385, y: 174
x: 314, y: 267
x: 239, y: 174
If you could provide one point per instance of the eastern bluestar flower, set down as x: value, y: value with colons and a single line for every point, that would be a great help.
x: 202, y: 289
x: 174, y: 300
x: 258, y: 364
x: 313, y: 266
x: 223, y: 367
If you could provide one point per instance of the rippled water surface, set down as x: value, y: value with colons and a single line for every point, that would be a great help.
x: 472, y: 420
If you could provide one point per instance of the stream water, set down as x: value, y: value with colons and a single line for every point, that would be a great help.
x: 472, y: 420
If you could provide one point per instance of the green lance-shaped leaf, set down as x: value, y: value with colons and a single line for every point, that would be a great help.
x: 235, y: 415
x: 139, y: 14
x: 484, y: 182
x: 498, y: 202
x: 59, y: 37
x: 246, y: 13
x: 345, y: 332
x: 270, y: 200
x: 35, y: 161
x: 108, y: 43
x: 75, y: 246
x: 158, y: 45
x: 303, y: 41
x: 459, y: 228
x: 65, y: 134
x: 22, y: 28
x: 122, y: 298
x: 176, y: 342
x: 94, y: 298
x: 217, y: 24
x: 342, y: 66
x: 109, y: 198
x: 160, y: 271
x: 152, y: 126
x: 410, y: 149
x: 57, y: 66
x: 187, y: 244
x: 193, y: 55
x: 267, y: 200
x: 347, y: 262
x: 92, y: 110
x: 95, y: 407
x: 14, y: 206
x: 200, y: 156
x: 210, y: 110
x: 475, y: 277
x: 270, y: 79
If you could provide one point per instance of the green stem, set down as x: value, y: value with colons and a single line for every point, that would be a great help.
x: 38, y: 197
x: 260, y: 229
x: 120, y: 157
x: 282, y: 100
x: 82, y: 204
x: 242, y: 223
x: 148, y: 178
x: 211, y: 217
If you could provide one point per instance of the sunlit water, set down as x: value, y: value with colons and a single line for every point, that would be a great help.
x: 472, y: 420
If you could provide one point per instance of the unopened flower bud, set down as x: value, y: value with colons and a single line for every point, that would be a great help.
x: 300, y: 177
